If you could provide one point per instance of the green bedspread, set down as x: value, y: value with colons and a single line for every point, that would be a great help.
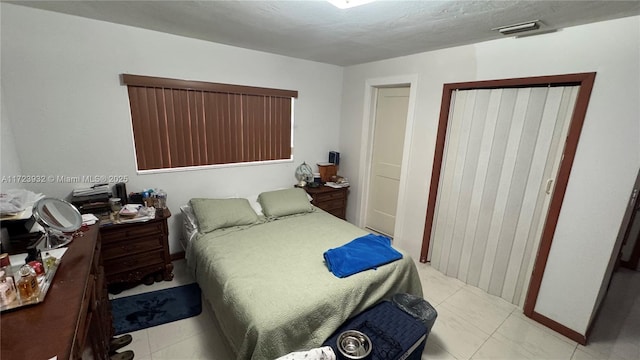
x: 271, y: 291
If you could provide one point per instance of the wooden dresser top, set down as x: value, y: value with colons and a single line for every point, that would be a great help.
x: 49, y: 329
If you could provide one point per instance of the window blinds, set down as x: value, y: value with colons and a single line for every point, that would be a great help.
x: 179, y: 123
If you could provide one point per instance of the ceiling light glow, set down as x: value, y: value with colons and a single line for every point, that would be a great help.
x: 346, y: 4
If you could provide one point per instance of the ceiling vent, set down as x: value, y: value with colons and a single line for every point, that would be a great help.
x: 518, y: 28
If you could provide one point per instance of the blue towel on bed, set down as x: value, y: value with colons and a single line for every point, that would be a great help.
x: 363, y: 253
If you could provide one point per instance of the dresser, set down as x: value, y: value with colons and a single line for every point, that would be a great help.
x: 136, y: 252
x: 74, y: 320
x: 331, y: 200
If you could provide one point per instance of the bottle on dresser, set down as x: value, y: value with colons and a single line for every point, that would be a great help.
x: 28, y: 283
x: 7, y: 289
x: 7, y: 283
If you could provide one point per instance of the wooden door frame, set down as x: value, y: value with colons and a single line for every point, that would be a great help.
x: 585, y: 81
x: 627, y: 224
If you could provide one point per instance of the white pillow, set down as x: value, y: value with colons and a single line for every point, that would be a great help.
x: 189, y: 218
x: 189, y: 225
x: 255, y: 205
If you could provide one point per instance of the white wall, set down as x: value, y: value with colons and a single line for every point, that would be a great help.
x: 606, y: 162
x: 70, y: 114
x: 9, y: 157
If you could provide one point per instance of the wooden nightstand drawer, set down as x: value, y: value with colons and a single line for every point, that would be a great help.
x: 331, y: 205
x: 331, y: 200
x: 116, y: 233
x: 136, y: 251
x: 126, y: 248
x: 129, y: 263
x: 322, y: 197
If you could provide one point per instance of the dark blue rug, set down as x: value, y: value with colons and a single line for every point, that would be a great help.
x: 154, y: 308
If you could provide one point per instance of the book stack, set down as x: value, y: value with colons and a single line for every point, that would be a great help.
x: 337, y: 185
x: 98, y: 189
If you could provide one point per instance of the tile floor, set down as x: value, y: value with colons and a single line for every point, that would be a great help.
x: 470, y: 325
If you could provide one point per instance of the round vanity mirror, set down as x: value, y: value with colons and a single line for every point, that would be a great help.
x: 58, y: 215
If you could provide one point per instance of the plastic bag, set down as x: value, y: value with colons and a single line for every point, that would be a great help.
x: 417, y: 307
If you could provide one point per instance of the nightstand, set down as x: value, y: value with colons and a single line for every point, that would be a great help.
x: 331, y: 200
x: 137, y: 251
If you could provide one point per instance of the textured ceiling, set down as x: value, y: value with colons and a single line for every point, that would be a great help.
x: 316, y: 30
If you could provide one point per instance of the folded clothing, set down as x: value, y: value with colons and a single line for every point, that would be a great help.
x: 323, y: 353
x: 14, y: 201
x: 363, y: 253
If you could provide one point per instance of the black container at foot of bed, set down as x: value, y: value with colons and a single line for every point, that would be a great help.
x: 394, y: 334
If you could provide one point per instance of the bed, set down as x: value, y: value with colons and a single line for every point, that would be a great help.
x: 265, y: 276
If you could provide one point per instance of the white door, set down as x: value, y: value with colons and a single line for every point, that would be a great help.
x: 386, y: 163
x: 502, y: 153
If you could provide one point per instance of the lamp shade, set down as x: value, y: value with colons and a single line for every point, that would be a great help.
x: 304, y: 174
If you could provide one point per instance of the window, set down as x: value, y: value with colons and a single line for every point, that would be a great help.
x: 180, y: 123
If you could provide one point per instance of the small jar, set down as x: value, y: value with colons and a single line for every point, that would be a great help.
x: 49, y: 262
x: 5, y: 267
x: 161, y: 197
x: 115, y: 204
x: 37, y: 266
x: 28, y: 283
x: 7, y: 290
x: 4, y: 260
x: 147, y: 199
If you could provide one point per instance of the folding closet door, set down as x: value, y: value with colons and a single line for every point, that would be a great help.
x: 502, y: 152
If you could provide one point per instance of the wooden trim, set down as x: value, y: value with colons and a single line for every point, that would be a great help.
x: 536, y: 81
x: 177, y: 256
x: 571, y: 145
x: 628, y: 221
x: 158, y: 82
x: 559, y: 328
x: 585, y: 81
x: 441, y: 137
x: 632, y: 263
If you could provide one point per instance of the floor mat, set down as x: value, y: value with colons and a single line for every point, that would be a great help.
x: 154, y: 308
